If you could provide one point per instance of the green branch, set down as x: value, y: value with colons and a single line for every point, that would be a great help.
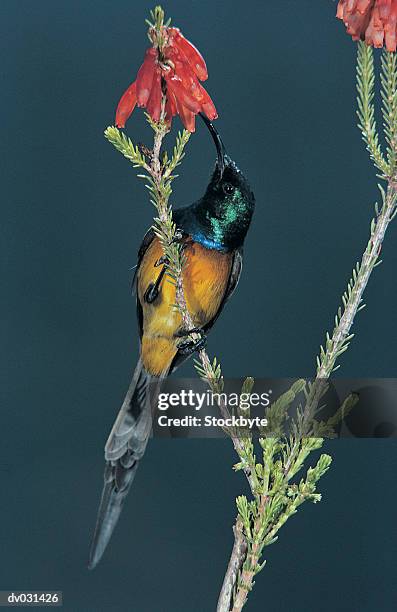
x: 178, y: 153
x: 352, y: 300
x: 389, y: 106
x: 366, y: 111
x: 126, y: 147
x: 275, y: 497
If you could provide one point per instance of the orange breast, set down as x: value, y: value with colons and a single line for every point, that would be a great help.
x: 205, y: 279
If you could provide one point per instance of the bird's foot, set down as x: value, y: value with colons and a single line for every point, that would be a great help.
x: 182, y: 333
x: 178, y: 236
x: 189, y: 346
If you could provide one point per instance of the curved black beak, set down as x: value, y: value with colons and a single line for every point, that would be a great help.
x: 220, y: 147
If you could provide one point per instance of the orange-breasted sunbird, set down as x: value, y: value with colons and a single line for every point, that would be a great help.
x: 212, y: 232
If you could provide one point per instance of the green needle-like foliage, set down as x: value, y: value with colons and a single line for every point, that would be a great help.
x: 125, y: 146
x: 389, y: 106
x: 158, y: 182
x: 366, y: 110
x: 276, y: 492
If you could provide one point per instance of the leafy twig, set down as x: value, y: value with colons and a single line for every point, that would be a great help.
x: 284, y: 458
x: 366, y: 110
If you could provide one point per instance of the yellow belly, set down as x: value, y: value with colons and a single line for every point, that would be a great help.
x: 205, y: 279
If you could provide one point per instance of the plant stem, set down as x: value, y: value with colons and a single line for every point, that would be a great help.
x: 249, y: 562
x: 368, y: 262
x: 334, y: 347
x: 235, y: 564
x: 243, y: 563
x: 165, y: 217
x: 352, y: 300
x: 340, y: 338
x: 157, y: 174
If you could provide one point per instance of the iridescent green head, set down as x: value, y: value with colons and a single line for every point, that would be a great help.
x: 224, y: 212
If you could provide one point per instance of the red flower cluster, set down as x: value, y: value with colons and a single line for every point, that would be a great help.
x: 374, y: 21
x: 176, y: 70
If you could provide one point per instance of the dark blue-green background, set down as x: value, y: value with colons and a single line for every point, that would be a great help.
x: 73, y: 213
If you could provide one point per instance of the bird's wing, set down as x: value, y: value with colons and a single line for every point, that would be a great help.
x: 146, y: 242
x: 147, y: 239
x: 234, y: 277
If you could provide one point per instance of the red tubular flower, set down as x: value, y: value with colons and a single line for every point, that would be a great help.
x: 144, y: 78
x: 154, y: 101
x: 187, y: 116
x: 374, y: 21
x: 176, y: 69
x: 193, y: 55
x: 207, y: 105
x: 126, y: 105
x: 170, y: 107
x: 176, y: 86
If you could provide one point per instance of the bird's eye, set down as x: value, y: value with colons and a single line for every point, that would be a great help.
x: 228, y: 188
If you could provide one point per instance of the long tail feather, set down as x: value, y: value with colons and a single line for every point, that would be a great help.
x: 124, y: 449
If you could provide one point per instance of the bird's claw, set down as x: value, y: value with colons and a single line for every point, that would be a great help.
x: 189, y: 346
x: 178, y: 236
x: 182, y: 333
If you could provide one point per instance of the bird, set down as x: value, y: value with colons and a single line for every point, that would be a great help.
x: 212, y: 231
